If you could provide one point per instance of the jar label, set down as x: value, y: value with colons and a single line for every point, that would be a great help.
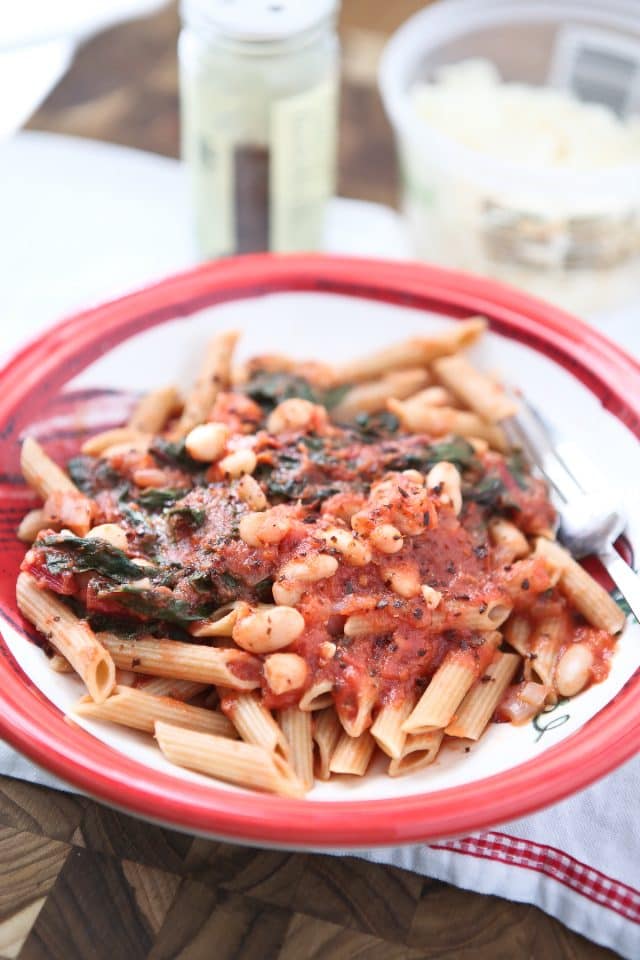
x: 302, y: 175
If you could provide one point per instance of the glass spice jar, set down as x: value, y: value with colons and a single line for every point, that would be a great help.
x: 259, y: 93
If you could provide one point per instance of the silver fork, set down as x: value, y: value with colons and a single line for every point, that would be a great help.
x: 590, y: 522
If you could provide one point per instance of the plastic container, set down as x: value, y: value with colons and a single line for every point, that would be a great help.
x: 570, y: 236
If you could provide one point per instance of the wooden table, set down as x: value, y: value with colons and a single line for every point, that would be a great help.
x: 79, y: 881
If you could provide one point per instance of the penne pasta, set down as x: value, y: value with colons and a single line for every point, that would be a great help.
x: 222, y: 622
x: 439, y: 702
x: 372, y: 396
x: 387, y: 727
x: 214, y: 376
x: 235, y: 762
x: 589, y: 597
x: 31, y: 525
x: 253, y: 721
x: 509, y: 541
x: 154, y: 409
x: 419, y: 751
x: 41, y: 473
x: 476, y: 390
x: 73, y: 638
x: 124, y: 437
x: 170, y: 687
x: 133, y: 707
x: 352, y: 755
x: 420, y: 417
x: 476, y: 709
x: 296, y: 727
x: 60, y: 664
x: 183, y: 661
x: 418, y: 351
x: 326, y: 731
x: 356, y: 722
x: 317, y: 697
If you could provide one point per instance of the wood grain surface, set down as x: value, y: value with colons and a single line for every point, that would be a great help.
x: 79, y: 881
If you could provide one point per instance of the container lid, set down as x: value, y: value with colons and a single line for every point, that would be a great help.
x: 258, y: 20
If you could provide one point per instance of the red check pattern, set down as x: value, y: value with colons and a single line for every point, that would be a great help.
x: 553, y: 863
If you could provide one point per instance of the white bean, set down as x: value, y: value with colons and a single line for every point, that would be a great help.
x: 310, y: 569
x: 285, y: 672
x: 295, y: 414
x: 258, y: 529
x: 431, y: 596
x: 354, y: 551
x: 573, y: 669
x: 110, y: 533
x: 386, y: 538
x: 207, y: 441
x: 445, y: 478
x: 268, y: 628
x: 238, y: 462
x: 251, y: 493
x: 404, y: 581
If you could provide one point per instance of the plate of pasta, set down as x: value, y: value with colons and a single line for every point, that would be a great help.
x: 273, y: 570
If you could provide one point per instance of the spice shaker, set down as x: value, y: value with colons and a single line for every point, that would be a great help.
x: 259, y: 93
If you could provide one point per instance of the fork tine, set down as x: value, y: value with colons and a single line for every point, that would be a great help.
x: 534, y: 435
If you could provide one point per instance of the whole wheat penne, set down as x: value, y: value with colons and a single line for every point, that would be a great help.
x: 387, y: 727
x: 184, y: 661
x: 438, y: 704
x: 41, y: 473
x: 419, y: 751
x: 154, y: 409
x: 420, y: 417
x: 31, y: 525
x: 585, y: 593
x: 317, y: 697
x: 509, y: 541
x: 60, y: 664
x: 544, y: 644
x: 222, y: 621
x: 478, y: 391
x: 234, y: 761
x: 97, y: 445
x: 326, y: 731
x: 253, y: 721
x: 470, y: 614
x: 214, y: 376
x: 356, y: 723
x: 475, y: 711
x: 73, y: 638
x: 369, y: 397
x: 296, y: 727
x: 418, y: 351
x: 353, y: 754
x: 133, y: 707
x: 170, y: 687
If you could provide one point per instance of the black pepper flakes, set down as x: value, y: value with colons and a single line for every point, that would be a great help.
x: 418, y: 613
x: 525, y: 584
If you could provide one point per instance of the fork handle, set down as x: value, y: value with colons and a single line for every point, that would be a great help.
x: 624, y: 577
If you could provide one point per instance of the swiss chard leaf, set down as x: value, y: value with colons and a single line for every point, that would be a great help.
x: 155, y: 604
x: 187, y: 516
x: 84, y: 554
x: 174, y: 455
x: 269, y: 389
x: 488, y: 492
x: 517, y: 467
x: 376, y: 426
x: 158, y: 498
x: 90, y: 475
x: 457, y: 451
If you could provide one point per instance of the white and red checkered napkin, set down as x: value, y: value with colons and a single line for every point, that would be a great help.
x: 578, y: 860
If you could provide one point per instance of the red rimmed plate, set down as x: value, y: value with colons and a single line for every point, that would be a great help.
x: 81, y: 376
